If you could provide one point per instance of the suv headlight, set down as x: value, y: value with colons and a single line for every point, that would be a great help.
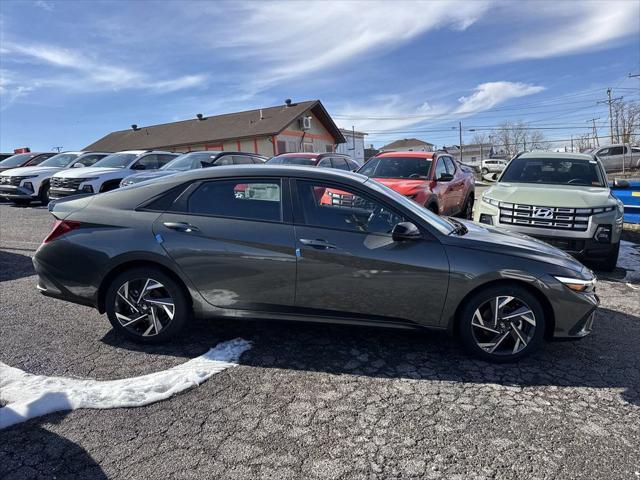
x: 578, y: 284
x: 490, y: 201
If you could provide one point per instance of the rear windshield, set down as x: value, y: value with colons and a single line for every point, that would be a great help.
x: 60, y: 160
x: 15, y: 160
x: 397, y: 167
x: 554, y: 171
x: 282, y: 160
x: 116, y: 160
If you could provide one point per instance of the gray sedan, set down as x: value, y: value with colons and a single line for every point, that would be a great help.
x: 273, y: 243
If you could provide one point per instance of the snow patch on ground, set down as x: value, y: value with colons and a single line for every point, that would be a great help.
x: 29, y: 396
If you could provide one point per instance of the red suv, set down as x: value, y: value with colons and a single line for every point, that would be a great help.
x: 432, y: 179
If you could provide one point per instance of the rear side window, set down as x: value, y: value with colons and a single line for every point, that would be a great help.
x: 242, y: 160
x: 88, y: 160
x: 150, y: 162
x: 339, y: 163
x: 325, y: 163
x: 252, y: 199
x: 164, y: 159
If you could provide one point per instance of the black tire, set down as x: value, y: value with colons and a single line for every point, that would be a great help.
x: 611, y: 260
x: 44, y: 194
x: 469, y: 332
x: 484, y: 171
x: 181, y: 313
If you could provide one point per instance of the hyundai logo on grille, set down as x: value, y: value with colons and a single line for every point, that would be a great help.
x: 542, y: 213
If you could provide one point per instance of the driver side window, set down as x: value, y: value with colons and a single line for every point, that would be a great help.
x: 343, y: 209
x: 148, y: 162
x: 440, y: 168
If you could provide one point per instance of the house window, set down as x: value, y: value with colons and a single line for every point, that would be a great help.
x: 281, y: 147
x: 292, y: 146
x: 308, y: 147
x: 329, y: 148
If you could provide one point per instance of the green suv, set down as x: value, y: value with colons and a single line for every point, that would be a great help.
x: 560, y: 198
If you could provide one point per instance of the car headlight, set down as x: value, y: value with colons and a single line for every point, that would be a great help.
x: 490, y: 201
x: 578, y: 284
x: 29, y: 176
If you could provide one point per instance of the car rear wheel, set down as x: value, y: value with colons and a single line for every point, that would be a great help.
x: 501, y: 323
x: 467, y: 209
x: 147, y: 305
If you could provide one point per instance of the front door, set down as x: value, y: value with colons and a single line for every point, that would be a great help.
x: 229, y: 238
x: 349, y: 264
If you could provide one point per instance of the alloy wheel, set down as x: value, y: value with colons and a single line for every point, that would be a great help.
x: 144, y: 306
x: 503, y: 325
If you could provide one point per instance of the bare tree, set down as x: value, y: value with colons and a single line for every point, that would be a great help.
x: 626, y: 121
x: 512, y: 137
x: 582, y: 142
x: 480, y: 138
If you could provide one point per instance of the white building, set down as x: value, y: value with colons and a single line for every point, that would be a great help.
x: 354, y: 145
x: 408, y: 145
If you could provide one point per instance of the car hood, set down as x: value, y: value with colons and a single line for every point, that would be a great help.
x: 141, y: 177
x: 24, y: 171
x: 403, y: 185
x: 87, y: 171
x: 498, y: 240
x: 568, y: 196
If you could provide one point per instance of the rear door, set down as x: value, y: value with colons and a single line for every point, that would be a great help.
x: 231, y: 237
x: 456, y: 186
x: 349, y: 265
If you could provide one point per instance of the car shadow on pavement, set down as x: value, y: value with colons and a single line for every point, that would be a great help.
x: 607, y: 359
x: 14, y: 266
x: 37, y: 452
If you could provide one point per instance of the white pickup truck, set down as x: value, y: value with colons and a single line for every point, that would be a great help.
x: 618, y: 157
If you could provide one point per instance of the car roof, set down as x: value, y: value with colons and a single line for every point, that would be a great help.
x: 300, y: 154
x: 567, y: 155
x: 428, y: 155
x: 263, y: 170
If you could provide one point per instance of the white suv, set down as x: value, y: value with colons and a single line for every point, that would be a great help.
x: 107, y: 174
x: 493, y: 165
x: 26, y: 184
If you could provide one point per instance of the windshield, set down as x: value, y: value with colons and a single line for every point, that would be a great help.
x: 60, y: 160
x: 397, y: 167
x: 439, y: 223
x: 282, y: 160
x: 15, y: 160
x: 116, y: 160
x: 554, y: 171
x: 189, y: 161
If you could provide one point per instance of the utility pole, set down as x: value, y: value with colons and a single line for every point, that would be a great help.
x: 460, y: 130
x: 610, y: 102
x: 57, y: 149
x: 571, y: 143
x: 596, y: 141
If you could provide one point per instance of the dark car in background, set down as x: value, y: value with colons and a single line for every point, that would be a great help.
x: 256, y: 242
x: 24, y: 160
x: 325, y: 160
x: 193, y: 160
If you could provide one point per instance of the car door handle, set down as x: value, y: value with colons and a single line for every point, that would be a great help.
x: 181, y: 227
x: 318, y: 243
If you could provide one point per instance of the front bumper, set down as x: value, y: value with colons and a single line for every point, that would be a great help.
x: 16, y: 192
x: 56, y: 193
x: 580, y: 244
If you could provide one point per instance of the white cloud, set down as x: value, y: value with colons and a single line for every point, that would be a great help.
x: 294, y: 39
x: 73, y: 70
x: 48, y: 6
x: 570, y: 28
x: 487, y: 95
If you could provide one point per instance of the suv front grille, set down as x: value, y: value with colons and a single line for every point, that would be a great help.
x: 576, y: 219
x: 74, y: 183
x: 8, y: 180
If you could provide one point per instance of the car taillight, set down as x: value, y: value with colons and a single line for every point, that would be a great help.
x: 60, y: 228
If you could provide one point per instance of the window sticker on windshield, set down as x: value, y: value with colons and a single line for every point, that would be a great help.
x: 593, y: 161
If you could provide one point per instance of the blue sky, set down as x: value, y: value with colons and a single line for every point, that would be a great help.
x: 71, y: 72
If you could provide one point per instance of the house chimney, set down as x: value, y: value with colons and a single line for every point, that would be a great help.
x: 200, y: 116
x: 288, y: 102
x: 135, y: 127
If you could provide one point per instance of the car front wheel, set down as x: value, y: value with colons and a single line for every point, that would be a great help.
x: 501, y: 323
x: 147, y: 305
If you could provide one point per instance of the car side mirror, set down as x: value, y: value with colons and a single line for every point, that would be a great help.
x: 405, y: 231
x: 445, y: 177
x: 78, y: 165
x: 620, y: 183
x: 138, y: 166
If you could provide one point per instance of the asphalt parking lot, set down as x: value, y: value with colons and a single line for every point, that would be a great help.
x: 323, y: 402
